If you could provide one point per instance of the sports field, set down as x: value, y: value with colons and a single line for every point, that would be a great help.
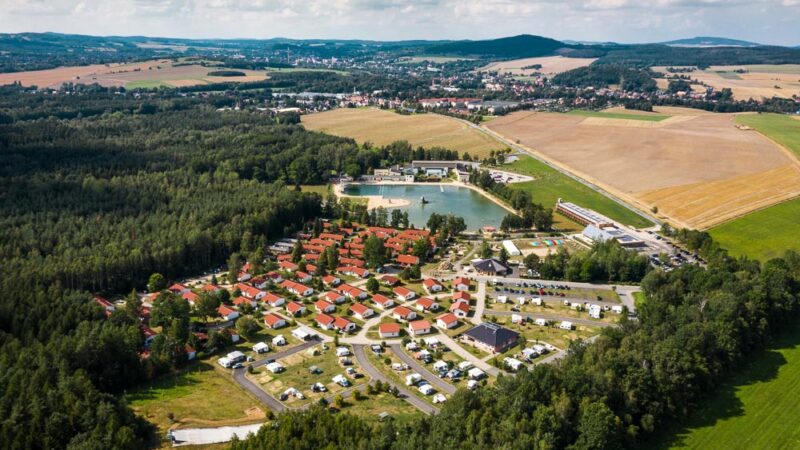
x: 757, y: 409
x: 550, y: 185
x: 697, y: 168
x: 382, y: 127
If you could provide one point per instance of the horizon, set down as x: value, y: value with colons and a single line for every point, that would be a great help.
x: 768, y: 22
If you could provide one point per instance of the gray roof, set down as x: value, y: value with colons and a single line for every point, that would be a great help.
x: 490, y: 265
x: 492, y: 334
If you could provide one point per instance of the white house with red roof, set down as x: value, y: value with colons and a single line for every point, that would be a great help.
x: 419, y: 327
x: 250, y: 291
x: 333, y: 297
x: 240, y: 300
x: 462, y: 284
x: 426, y: 304
x: 403, y: 293
x: 331, y: 280
x: 227, y: 312
x: 297, y: 288
x: 321, y: 306
x: 389, y: 330
x: 275, y: 276
x: 295, y: 308
x: 353, y: 271
x: 351, y: 292
x: 324, y: 321
x: 407, y: 260
x: 361, y: 311
x: 447, y: 321
x: 462, y: 295
x: 382, y: 301
x: 274, y: 321
x: 460, y: 309
x: 403, y: 313
x: 344, y: 325
x: 432, y: 285
x: 288, y: 266
x: 273, y: 300
x: 302, y: 277
x: 390, y: 280
x: 178, y: 288
x: 259, y: 282
x: 210, y: 288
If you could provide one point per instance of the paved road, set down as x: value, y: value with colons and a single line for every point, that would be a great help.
x: 375, y: 374
x: 198, y: 436
x: 456, y: 348
x: 480, y: 303
x: 437, y: 382
x: 239, y: 376
x: 551, y: 316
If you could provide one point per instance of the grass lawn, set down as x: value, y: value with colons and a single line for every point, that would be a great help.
x: 550, y: 185
x: 763, y: 234
x: 146, y: 84
x: 371, y: 406
x: 607, y: 115
x: 198, y: 396
x: 639, y: 299
x: 321, y: 189
x: 778, y: 127
x: 758, y: 408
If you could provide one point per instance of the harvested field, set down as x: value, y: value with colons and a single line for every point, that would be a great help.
x: 142, y: 74
x: 751, y: 81
x: 699, y: 170
x: 384, y: 127
x: 551, y: 65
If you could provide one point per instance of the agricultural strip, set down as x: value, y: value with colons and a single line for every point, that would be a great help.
x: 384, y: 127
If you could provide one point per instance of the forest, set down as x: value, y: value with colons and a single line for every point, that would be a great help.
x: 603, y: 75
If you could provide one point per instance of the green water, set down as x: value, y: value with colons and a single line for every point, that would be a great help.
x: 477, y: 210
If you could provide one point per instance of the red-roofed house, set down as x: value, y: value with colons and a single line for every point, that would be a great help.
x: 258, y: 282
x: 297, y: 288
x: 419, y: 327
x: 432, y: 285
x: 190, y: 297
x: 302, y: 277
x: 353, y: 271
x: 287, y: 265
x: 273, y: 300
x: 382, y: 301
x: 295, y: 308
x: 212, y: 288
x: 275, y: 276
x: 344, y: 325
x: 407, y: 260
x: 390, y: 280
x: 274, y: 321
x: 460, y: 308
x: 462, y: 295
x: 322, y: 306
x: 333, y: 297
x: 389, y: 330
x: 331, y: 280
x: 351, y: 292
x: 332, y: 236
x: 447, y: 321
x: 404, y: 294
x: 426, y: 304
x: 107, y: 305
x: 461, y: 284
x: 324, y: 321
x: 240, y: 300
x: 403, y: 313
x: 250, y: 291
x: 178, y: 288
x: 361, y: 311
x: 227, y: 312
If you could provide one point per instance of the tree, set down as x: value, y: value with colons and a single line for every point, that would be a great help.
x: 597, y: 428
x: 503, y: 255
x: 235, y: 264
x: 372, y: 285
x: 531, y: 261
x: 396, y: 218
x: 207, y: 305
x: 543, y: 219
x: 247, y: 327
x: 374, y: 251
x: 485, y: 250
x: 422, y: 247
x: 156, y: 283
x: 297, y: 252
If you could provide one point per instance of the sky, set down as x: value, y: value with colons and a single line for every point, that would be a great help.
x: 628, y: 21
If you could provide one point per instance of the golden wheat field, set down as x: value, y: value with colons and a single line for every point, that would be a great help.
x: 749, y: 81
x: 550, y: 65
x: 142, y: 74
x: 697, y: 168
x: 383, y: 127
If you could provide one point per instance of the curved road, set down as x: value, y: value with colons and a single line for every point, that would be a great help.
x: 375, y: 374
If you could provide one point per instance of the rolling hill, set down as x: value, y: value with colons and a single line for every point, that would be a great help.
x: 522, y: 46
x: 710, y: 41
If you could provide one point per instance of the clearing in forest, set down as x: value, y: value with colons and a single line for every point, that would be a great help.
x: 382, y: 127
x: 697, y: 170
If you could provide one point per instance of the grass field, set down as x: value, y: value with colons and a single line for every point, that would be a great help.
x: 550, y: 185
x: 609, y: 115
x: 780, y: 128
x: 770, y: 232
x: 198, y: 396
x: 146, y: 85
x: 550, y: 65
x: 384, y: 127
x: 763, y: 234
x: 757, y: 409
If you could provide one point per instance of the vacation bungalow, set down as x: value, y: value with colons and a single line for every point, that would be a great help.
x: 404, y: 294
x: 227, y: 312
x: 297, y: 288
x: 295, y: 309
x: 404, y: 314
x: 462, y: 284
x: 343, y: 325
x: 321, y: 306
x: 432, y: 285
x: 388, y: 330
x: 419, y: 327
x: 490, y: 337
x: 361, y: 311
x: 324, y: 321
x: 447, y: 321
x: 426, y: 304
x: 274, y: 321
x: 383, y: 302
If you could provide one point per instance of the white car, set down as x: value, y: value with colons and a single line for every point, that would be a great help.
x: 439, y: 398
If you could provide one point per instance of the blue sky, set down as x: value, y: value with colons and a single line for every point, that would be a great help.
x: 765, y: 21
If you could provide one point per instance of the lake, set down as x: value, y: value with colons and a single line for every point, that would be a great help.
x: 477, y: 210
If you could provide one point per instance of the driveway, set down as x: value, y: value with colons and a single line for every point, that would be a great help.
x: 375, y: 374
x: 437, y: 382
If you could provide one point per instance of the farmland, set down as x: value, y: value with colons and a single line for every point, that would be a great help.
x: 619, y: 115
x: 551, y: 65
x: 147, y: 74
x: 782, y: 129
x: 751, y: 81
x: 757, y: 408
x: 384, y: 127
x: 550, y: 185
x: 701, y: 170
